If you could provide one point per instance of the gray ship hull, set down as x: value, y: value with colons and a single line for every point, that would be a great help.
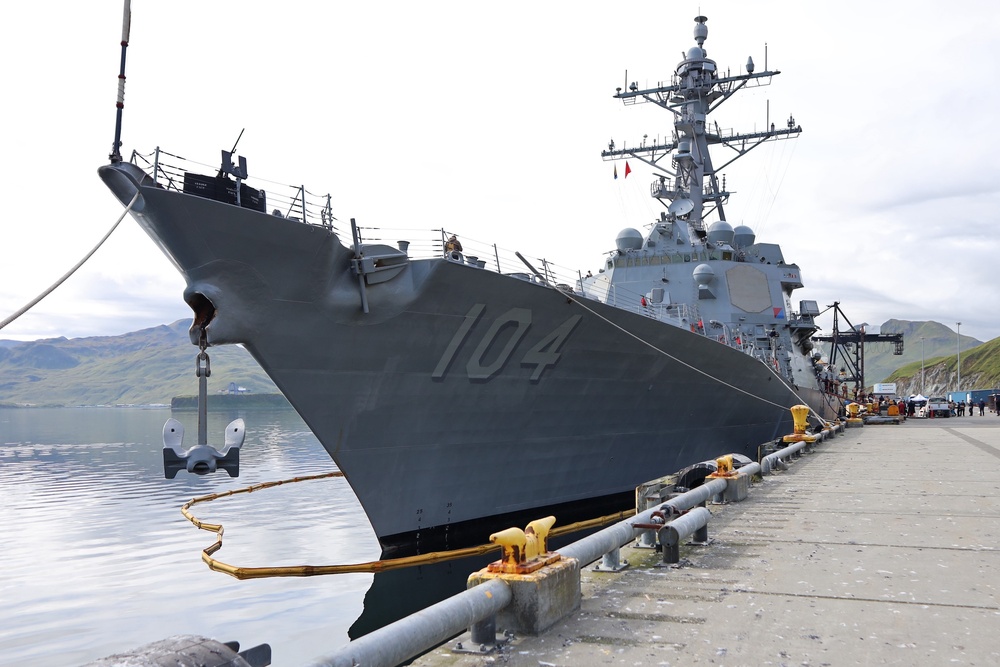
x: 463, y: 397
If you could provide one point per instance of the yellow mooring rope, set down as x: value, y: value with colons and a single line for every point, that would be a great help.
x: 370, y: 566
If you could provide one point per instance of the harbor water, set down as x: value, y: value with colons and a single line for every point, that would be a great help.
x: 98, y: 558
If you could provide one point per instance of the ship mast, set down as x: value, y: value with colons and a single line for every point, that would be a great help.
x: 691, y: 184
x: 116, y: 155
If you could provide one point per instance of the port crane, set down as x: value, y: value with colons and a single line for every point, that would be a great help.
x: 849, y: 345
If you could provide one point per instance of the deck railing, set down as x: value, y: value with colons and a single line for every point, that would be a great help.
x: 289, y: 201
x: 296, y: 202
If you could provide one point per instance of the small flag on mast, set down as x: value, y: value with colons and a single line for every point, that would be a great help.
x: 616, y: 172
x: 628, y: 170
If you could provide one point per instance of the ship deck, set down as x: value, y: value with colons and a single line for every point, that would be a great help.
x: 878, y: 548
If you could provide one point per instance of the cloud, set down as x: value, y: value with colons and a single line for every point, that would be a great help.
x: 497, y: 134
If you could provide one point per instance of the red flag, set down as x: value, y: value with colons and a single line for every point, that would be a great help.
x: 616, y: 172
x: 628, y: 170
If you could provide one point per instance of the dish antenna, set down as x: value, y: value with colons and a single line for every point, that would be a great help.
x: 681, y: 207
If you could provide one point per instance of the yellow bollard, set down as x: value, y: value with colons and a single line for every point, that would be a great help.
x: 723, y: 467
x: 800, y: 417
x: 512, y: 544
x: 854, y: 416
x: 537, y: 534
x: 524, y: 551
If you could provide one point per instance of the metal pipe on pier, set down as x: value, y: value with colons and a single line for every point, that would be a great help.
x: 594, y: 546
x: 410, y: 636
x: 774, y: 460
x: 694, y: 523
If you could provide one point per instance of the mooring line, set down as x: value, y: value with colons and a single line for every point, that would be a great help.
x: 59, y: 282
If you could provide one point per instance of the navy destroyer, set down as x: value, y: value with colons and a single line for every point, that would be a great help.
x: 459, y: 391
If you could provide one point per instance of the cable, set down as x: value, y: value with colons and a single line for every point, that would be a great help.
x: 59, y: 282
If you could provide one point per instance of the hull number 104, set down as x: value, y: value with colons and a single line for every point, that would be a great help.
x: 504, y: 333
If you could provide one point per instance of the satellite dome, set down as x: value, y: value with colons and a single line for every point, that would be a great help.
x: 696, y: 53
x: 721, y: 231
x: 703, y: 274
x: 629, y: 239
x: 744, y: 236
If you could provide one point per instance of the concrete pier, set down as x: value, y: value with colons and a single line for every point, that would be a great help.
x: 880, y: 547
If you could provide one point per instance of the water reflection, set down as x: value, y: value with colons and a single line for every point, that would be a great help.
x: 100, y: 559
x: 399, y: 593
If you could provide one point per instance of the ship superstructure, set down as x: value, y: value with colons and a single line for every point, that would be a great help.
x: 709, y: 277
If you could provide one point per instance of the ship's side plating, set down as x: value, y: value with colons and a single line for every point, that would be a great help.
x: 488, y: 395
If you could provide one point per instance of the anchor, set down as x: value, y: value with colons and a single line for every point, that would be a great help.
x: 202, y: 458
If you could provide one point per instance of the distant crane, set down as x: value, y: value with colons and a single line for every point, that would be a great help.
x: 854, y: 339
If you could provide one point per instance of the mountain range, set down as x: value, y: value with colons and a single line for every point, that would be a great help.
x: 151, y: 366
x: 146, y: 367
x: 927, y: 341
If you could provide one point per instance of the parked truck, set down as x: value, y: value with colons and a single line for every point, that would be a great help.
x: 937, y: 406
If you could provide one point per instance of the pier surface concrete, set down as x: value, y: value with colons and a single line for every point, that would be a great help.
x: 880, y: 548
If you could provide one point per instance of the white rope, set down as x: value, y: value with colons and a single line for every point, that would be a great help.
x: 59, y: 282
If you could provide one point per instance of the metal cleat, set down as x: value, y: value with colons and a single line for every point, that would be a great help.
x: 524, y: 551
x: 202, y: 458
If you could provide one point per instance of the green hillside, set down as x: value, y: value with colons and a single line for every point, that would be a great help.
x: 141, y: 368
x: 938, y: 341
x: 980, y: 370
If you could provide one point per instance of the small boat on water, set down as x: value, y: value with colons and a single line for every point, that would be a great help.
x: 461, y: 391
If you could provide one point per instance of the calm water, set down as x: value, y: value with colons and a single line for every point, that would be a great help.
x: 98, y: 559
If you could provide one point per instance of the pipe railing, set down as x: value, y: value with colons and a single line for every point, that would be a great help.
x: 410, y: 636
x: 419, y: 632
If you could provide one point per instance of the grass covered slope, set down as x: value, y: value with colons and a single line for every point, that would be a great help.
x: 144, y: 367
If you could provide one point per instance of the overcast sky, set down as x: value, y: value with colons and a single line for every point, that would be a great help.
x: 489, y: 118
